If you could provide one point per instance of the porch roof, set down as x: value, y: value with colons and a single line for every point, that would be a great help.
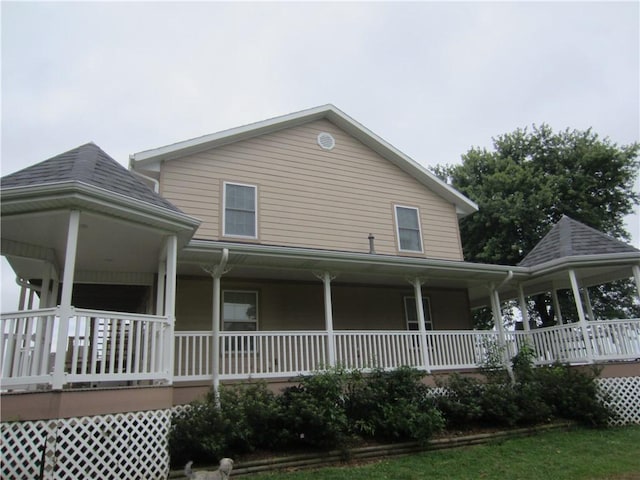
x: 87, y: 178
x: 293, y: 263
x: 570, y: 238
x: 87, y: 164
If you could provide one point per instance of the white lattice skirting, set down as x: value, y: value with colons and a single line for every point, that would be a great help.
x: 125, y: 446
x: 625, y: 398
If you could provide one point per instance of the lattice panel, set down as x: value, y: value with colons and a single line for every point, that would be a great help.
x: 119, y: 446
x: 625, y: 398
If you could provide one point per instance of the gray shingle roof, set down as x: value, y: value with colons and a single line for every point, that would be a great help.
x: 88, y: 164
x: 569, y: 238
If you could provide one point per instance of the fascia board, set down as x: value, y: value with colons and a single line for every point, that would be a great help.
x: 577, y: 261
x: 146, y: 159
x: 232, y: 135
x: 15, y: 200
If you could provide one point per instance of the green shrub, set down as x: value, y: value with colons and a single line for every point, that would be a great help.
x: 196, y: 433
x: 315, y: 410
x: 461, y: 406
x: 254, y: 417
x: 392, y: 405
x: 574, y: 394
x: 247, y: 417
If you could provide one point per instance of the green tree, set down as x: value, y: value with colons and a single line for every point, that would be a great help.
x: 533, y: 177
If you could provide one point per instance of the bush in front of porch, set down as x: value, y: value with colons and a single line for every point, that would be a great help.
x: 534, y: 395
x: 328, y: 410
x: 337, y: 408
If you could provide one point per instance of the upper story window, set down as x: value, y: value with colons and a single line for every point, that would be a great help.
x: 240, y: 218
x: 408, y: 227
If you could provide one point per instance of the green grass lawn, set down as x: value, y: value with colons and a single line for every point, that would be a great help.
x: 578, y: 454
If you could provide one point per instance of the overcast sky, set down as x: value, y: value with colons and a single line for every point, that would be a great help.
x: 431, y: 78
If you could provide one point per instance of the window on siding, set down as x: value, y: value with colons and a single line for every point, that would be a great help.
x: 239, y: 310
x: 240, y: 210
x: 408, y: 225
x: 411, y: 313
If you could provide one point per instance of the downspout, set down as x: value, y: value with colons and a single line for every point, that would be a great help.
x: 25, y: 284
x: 156, y: 183
x: 506, y: 280
x: 216, y: 273
x: 497, y: 316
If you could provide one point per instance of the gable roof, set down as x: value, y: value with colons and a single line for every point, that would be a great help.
x: 87, y: 164
x: 570, y: 238
x: 147, y: 158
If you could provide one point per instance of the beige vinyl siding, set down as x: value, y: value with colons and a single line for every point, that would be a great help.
x: 311, y: 197
x: 300, y: 306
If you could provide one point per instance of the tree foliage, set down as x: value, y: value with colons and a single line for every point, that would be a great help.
x: 534, y: 177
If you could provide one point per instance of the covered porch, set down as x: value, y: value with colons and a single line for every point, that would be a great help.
x: 101, y: 348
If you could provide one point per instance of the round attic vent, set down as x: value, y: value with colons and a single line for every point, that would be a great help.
x: 326, y: 141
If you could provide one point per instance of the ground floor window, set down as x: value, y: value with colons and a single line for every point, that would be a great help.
x: 411, y: 313
x: 239, y: 310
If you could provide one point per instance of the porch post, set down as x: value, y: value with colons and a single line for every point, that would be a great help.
x: 44, y: 291
x: 23, y: 297
x: 497, y: 320
x: 170, y: 304
x: 216, y: 272
x: 424, y: 344
x: 66, y: 310
x: 589, y: 306
x: 328, y: 318
x: 556, y: 304
x: 582, y: 319
x: 162, y: 271
x: 523, y: 308
x: 636, y: 275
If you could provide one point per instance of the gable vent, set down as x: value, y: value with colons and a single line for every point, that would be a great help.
x: 326, y: 141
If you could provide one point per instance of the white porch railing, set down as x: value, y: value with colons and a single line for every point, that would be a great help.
x: 100, y: 347
x: 119, y: 347
x: 283, y: 354
x: 609, y: 340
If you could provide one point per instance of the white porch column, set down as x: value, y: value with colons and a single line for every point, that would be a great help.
x: 66, y: 310
x: 583, y: 321
x: 636, y: 275
x: 424, y: 344
x: 216, y: 272
x: 23, y: 297
x: 170, y: 304
x: 328, y: 318
x: 589, y: 306
x: 162, y: 271
x: 44, y: 291
x: 523, y: 308
x: 556, y: 304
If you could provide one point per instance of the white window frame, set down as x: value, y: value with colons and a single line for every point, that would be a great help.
x: 417, y: 210
x: 224, y: 210
x: 426, y: 306
x: 223, y: 320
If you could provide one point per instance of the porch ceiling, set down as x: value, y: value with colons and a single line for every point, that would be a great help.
x: 105, y: 244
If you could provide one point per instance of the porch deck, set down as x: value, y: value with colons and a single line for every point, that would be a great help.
x: 44, y: 349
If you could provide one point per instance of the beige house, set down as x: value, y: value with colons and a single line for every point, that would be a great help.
x: 262, y: 252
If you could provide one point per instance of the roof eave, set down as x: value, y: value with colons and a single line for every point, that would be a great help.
x: 16, y: 200
x: 578, y: 261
